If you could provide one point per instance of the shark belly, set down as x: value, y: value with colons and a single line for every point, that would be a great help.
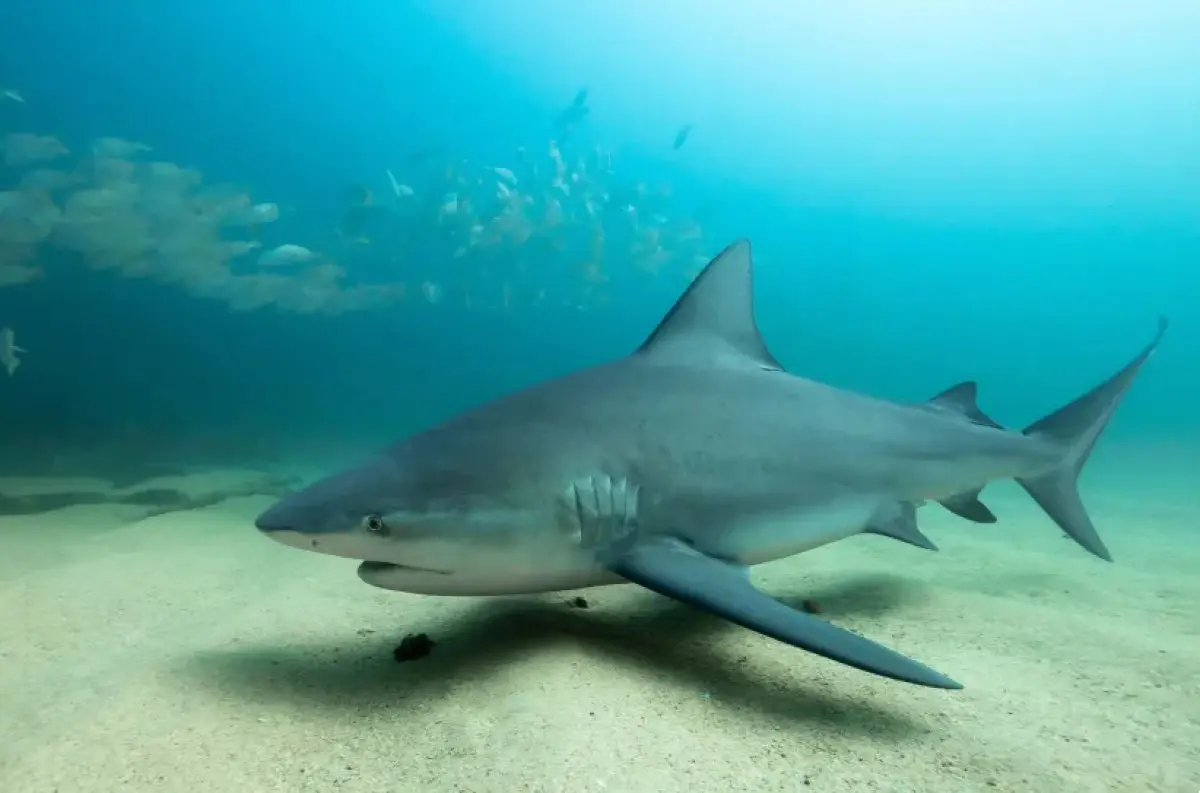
x: 750, y: 540
x: 766, y: 537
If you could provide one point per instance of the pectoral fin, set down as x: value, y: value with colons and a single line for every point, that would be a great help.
x: 672, y: 568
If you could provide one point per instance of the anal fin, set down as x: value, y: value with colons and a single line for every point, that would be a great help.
x: 671, y: 567
x: 899, y: 521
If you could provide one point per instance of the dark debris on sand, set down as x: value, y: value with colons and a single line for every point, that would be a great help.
x: 413, y: 647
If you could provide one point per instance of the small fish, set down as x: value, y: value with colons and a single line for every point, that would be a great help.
x: 238, y: 248
x: 681, y: 137
x: 576, y: 112
x: 255, y: 217
x: 401, y: 190
x: 266, y: 212
x: 9, y: 350
x: 13, y: 95
x: 431, y: 291
x: 118, y: 148
x: 505, y: 174
x: 285, y: 255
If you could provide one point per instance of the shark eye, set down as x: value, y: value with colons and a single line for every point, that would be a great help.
x: 374, y: 524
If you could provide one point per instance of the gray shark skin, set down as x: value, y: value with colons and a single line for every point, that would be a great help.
x: 680, y: 465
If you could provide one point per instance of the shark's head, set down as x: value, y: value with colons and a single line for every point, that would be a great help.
x: 437, y: 514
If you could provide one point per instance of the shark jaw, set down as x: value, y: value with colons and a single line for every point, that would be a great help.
x: 345, y: 546
x: 453, y: 570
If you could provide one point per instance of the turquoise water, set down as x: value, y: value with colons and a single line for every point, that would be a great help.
x: 1008, y: 194
x: 935, y: 192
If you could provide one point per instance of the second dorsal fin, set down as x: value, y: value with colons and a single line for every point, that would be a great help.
x: 962, y: 398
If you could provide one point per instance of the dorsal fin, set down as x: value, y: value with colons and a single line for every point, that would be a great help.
x: 962, y: 398
x: 713, y: 323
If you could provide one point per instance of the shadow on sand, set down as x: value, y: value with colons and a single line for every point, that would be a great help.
x: 669, y: 639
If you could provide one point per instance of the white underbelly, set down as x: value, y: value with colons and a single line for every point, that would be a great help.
x: 483, y: 583
x: 754, y: 540
x: 765, y: 538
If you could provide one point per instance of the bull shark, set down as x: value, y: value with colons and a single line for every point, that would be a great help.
x: 679, y: 466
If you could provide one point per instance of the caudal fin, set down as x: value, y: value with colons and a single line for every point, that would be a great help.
x: 1077, y: 427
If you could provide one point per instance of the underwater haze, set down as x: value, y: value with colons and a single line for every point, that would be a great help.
x: 1008, y: 193
x: 269, y: 237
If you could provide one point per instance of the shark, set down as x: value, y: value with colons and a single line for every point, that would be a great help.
x: 681, y: 465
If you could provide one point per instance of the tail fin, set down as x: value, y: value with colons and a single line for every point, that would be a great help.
x: 1077, y: 427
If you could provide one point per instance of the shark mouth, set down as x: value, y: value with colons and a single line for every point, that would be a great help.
x: 383, y: 567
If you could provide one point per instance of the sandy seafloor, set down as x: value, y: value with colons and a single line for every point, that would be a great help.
x: 185, y: 652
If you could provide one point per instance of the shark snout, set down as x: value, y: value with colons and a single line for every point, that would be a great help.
x: 334, y: 504
x: 280, y: 527
x: 282, y: 523
x: 298, y: 515
x: 275, y: 519
x: 310, y: 521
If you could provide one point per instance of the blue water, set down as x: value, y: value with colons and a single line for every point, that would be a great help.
x: 1007, y: 193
